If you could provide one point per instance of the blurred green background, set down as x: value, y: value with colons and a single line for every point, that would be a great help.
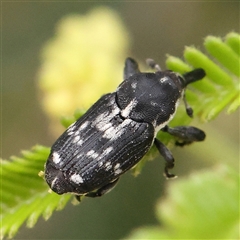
x: 156, y: 28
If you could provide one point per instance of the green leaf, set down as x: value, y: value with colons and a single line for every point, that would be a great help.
x: 204, y: 205
x: 233, y: 41
x: 220, y: 88
x: 24, y: 195
x: 224, y: 53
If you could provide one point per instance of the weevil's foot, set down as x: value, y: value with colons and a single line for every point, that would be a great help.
x: 169, y: 175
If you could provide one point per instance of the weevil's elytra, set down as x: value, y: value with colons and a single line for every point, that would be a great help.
x: 118, y: 130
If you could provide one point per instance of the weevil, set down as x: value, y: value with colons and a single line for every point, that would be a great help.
x: 119, y: 129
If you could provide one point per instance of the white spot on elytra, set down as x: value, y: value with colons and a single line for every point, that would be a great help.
x: 71, y: 128
x: 79, y: 155
x: 56, y: 157
x: 117, y: 169
x: 107, y: 151
x: 103, y: 126
x: 92, y: 154
x: 76, y: 133
x: 76, y: 178
x: 103, y: 120
x: 84, y: 125
x: 76, y: 139
x: 115, y: 132
x: 95, y: 155
x: 126, y: 111
x: 117, y: 166
x: 80, y: 142
x: 115, y: 110
x: 108, y: 166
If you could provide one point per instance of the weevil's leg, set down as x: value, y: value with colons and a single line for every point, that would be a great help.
x: 103, y: 190
x: 131, y: 67
x: 186, y: 134
x: 151, y: 63
x: 167, y: 155
x: 189, y: 110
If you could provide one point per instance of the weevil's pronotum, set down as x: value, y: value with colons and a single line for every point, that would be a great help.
x: 119, y: 129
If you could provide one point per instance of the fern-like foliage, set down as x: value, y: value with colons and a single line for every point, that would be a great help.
x: 221, y: 86
x: 25, y: 196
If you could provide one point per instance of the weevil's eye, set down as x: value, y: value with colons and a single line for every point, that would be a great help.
x: 176, y: 78
x: 182, y: 81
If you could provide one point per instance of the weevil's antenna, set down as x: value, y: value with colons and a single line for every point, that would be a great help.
x: 151, y: 63
x: 190, y: 77
x: 188, y: 108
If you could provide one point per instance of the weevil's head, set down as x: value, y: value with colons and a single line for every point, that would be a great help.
x: 153, y: 97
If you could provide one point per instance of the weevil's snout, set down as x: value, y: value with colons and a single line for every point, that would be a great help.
x: 193, y: 76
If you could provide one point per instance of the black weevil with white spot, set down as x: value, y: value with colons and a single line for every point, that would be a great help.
x: 118, y: 130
